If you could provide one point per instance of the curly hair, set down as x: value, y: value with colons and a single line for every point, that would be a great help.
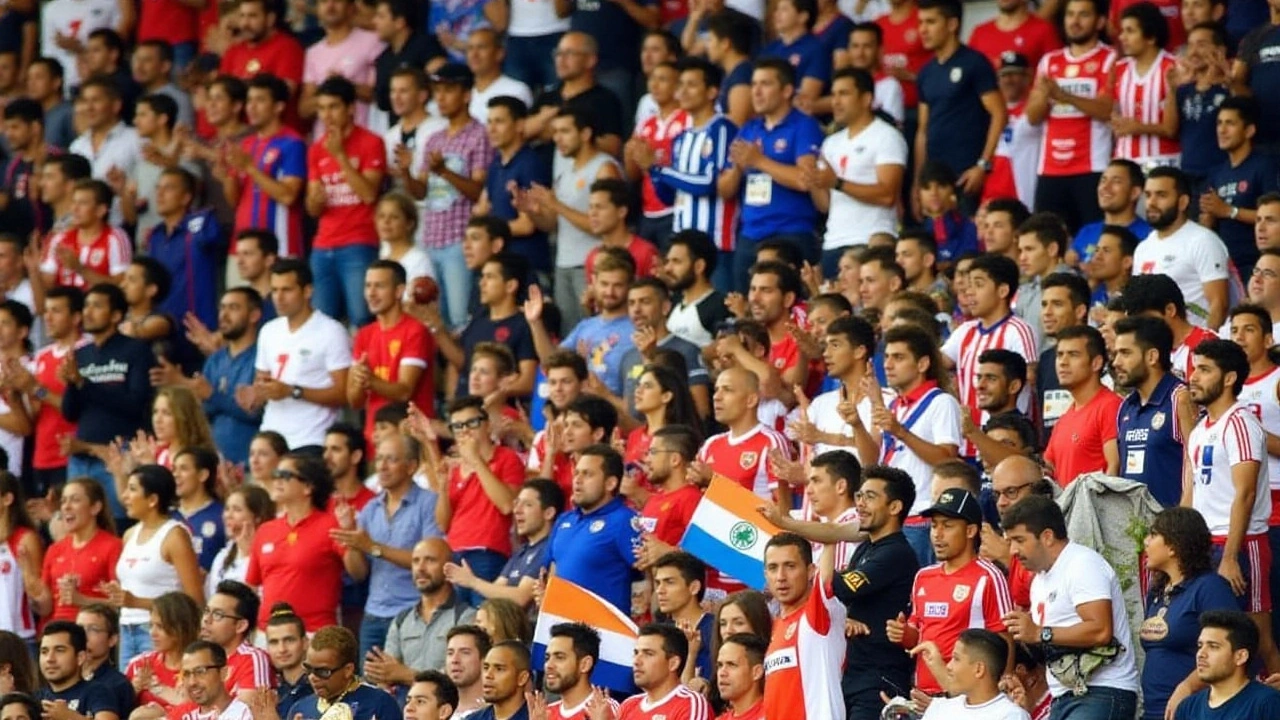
x: 1185, y: 532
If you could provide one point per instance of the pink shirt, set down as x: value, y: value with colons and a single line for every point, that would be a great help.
x: 353, y: 59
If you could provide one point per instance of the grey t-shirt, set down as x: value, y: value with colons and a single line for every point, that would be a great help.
x: 572, y: 187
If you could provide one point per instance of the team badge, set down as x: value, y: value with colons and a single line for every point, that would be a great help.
x: 956, y: 74
x: 794, y: 59
x: 1157, y: 421
x: 960, y: 593
x: 96, y: 256
x: 1243, y: 186
x: 748, y: 460
x: 6, y: 567
x: 791, y: 631
x: 596, y: 526
x: 268, y: 548
x: 253, y: 66
x: 637, y: 523
x: 1072, y: 71
x: 780, y: 145
x: 208, y: 529
x: 1091, y: 66
x: 195, y: 224
x: 394, y: 347
x: 270, y: 156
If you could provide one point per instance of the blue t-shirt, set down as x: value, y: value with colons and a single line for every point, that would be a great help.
x: 596, y: 550
x: 603, y: 343
x: 769, y: 207
x: 366, y: 702
x: 526, y: 562
x: 1260, y: 50
x: 955, y: 234
x: 1170, y: 632
x: 740, y: 75
x: 233, y: 426
x: 524, y: 169
x: 807, y: 55
x: 1198, y: 127
x: 1254, y: 701
x: 958, y: 122
x: 1240, y: 187
x: 207, y: 532
x: 86, y: 698
x: 1086, y: 240
x: 835, y: 36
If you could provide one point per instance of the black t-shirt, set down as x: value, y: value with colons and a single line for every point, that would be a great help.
x: 958, y: 121
x: 512, y: 331
x: 118, y: 688
x: 421, y: 49
x: 600, y: 101
x: 22, y: 215
x: 85, y: 698
x: 876, y: 587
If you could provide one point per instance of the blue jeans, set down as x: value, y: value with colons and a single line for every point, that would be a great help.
x: 486, y: 564
x: 1099, y: 703
x: 918, y: 539
x: 183, y: 54
x: 531, y: 60
x: 92, y: 467
x: 455, y: 283
x: 134, y: 640
x: 339, y: 282
x: 373, y: 633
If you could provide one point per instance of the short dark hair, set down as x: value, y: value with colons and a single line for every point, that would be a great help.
x: 735, y: 27
x: 247, y: 601
x: 1228, y: 357
x: 79, y: 640
x: 216, y: 652
x: 583, y: 118
x: 674, y: 641
x: 1000, y: 268
x: 1180, y: 180
x: 353, y: 437
x: 162, y: 104
x: 297, y: 267
x: 235, y: 88
x: 1259, y: 312
x: 1217, y: 33
x: 1012, y: 364
x: 599, y: 414
x: 1246, y: 107
x: 1132, y: 169
x: 274, y: 86
x: 788, y: 278
x: 338, y: 87
x: 1150, y: 334
x: 267, y: 241
x: 495, y: 227
x: 162, y: 48
x: 479, y: 634
x: 1018, y: 212
x: 406, y: 10
x: 154, y: 273
x: 73, y: 295
x: 102, y: 192
x: 609, y: 457
x: 446, y: 691
x: 398, y: 274
x: 113, y: 294
x: 585, y: 639
x: 1094, y: 345
x: 53, y: 65
x: 712, y: 74
x: 699, y: 246
x: 1150, y: 21
x: 861, y: 79
x: 950, y: 9
x: 841, y: 465
x: 1153, y: 293
x: 1242, y: 631
x: 463, y: 402
x: 786, y: 74
x: 790, y: 539
x: 1048, y: 228
x: 26, y: 110
x: 987, y: 648
x: 549, y: 492
x: 1017, y: 422
x: 185, y: 178
x: 1036, y: 514
x: 616, y: 188
x: 1128, y: 241
x: 962, y: 471
x: 517, y: 107
x: 691, y: 569
x: 1077, y: 287
x: 936, y: 172
x: 73, y: 167
x: 857, y: 330
x: 680, y: 439
x: 312, y: 471
x: 20, y: 698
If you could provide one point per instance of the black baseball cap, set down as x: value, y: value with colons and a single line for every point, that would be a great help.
x: 1011, y: 61
x: 957, y: 504
x: 454, y: 74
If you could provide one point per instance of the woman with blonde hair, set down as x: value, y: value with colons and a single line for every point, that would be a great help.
x: 247, y: 508
x: 504, y: 620
x: 179, y: 422
x: 76, y: 567
x: 175, y: 624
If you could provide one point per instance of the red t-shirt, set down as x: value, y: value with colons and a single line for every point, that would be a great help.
x: 784, y: 354
x: 477, y: 523
x: 167, y: 20
x: 386, y: 350
x: 279, y: 54
x: 903, y: 49
x: 249, y: 668
x: 50, y: 424
x: 357, y: 501
x: 347, y: 220
x: 299, y: 564
x: 95, y: 563
x: 944, y: 605
x: 646, y: 255
x: 666, y: 515
x: 153, y: 660
x: 1075, y: 447
x: 755, y: 712
x: 1020, y: 583
x: 1033, y: 39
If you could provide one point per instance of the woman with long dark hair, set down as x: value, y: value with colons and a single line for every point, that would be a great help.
x: 247, y: 508
x: 662, y: 397
x: 22, y: 550
x: 195, y: 470
x: 77, y: 566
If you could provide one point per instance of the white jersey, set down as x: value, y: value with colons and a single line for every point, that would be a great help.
x: 237, y: 710
x: 75, y: 19
x: 15, y: 606
x: 969, y: 342
x: 1259, y: 395
x: 856, y: 159
x: 890, y: 98
x: 1020, y: 145
x: 1213, y: 449
x: 303, y: 358
x: 1192, y: 256
x: 933, y: 416
x: 999, y: 707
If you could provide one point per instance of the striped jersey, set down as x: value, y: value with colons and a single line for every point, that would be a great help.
x: 967, y: 344
x: 1073, y: 142
x: 659, y: 133
x: 1213, y: 449
x: 108, y: 254
x: 558, y: 711
x: 15, y: 606
x: 280, y: 156
x: 698, y: 155
x: 1142, y: 98
x: 1260, y: 397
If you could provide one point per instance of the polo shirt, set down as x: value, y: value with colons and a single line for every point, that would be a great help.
x: 512, y: 331
x: 290, y: 693
x: 421, y: 643
x: 418, y: 50
x: 1170, y: 631
x: 366, y: 702
x: 233, y: 426
x: 85, y: 698
x: 524, y: 169
x: 768, y: 207
x: 299, y: 564
x: 807, y: 55
x: 1240, y: 186
x: 1150, y: 441
x: 526, y: 562
x: 190, y: 253
x: 391, y: 587
x: 597, y: 549
x: 953, y: 91
x: 875, y: 587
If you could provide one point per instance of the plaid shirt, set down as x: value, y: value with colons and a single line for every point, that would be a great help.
x: 447, y: 209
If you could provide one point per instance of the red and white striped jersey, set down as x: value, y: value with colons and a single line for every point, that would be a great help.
x: 745, y: 459
x: 659, y: 133
x: 557, y: 710
x: 15, y: 606
x: 107, y: 254
x: 806, y: 653
x: 844, y: 548
x: 1141, y: 97
x: 967, y: 344
x: 1259, y: 395
x: 1074, y: 143
x: 249, y: 668
x: 1213, y: 449
x: 679, y: 704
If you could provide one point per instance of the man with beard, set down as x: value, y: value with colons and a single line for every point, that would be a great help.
x: 1225, y: 480
x: 1192, y: 255
x: 67, y: 695
x: 264, y: 49
x: 346, y: 454
x: 331, y: 659
x: 572, y: 653
x: 605, y: 338
x: 1001, y: 376
x: 698, y: 308
x: 1227, y: 650
x: 504, y: 677
x: 1084, y: 438
x: 203, y: 678
x: 1158, y: 296
x: 774, y: 291
x: 414, y: 638
x: 466, y: 648
x: 1119, y: 189
x: 661, y: 653
x: 666, y: 514
x: 740, y: 676
x: 840, y: 418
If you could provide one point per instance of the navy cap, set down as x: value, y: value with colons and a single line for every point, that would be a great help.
x: 454, y: 74
x: 957, y: 504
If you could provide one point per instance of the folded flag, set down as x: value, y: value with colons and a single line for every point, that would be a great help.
x: 565, y: 602
x: 728, y: 533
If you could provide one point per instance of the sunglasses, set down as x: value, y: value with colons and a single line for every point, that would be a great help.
x: 320, y: 672
x: 282, y: 474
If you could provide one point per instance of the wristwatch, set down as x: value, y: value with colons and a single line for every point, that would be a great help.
x: 296, y: 394
x: 984, y: 164
x: 1235, y: 211
x: 376, y: 550
x: 41, y: 393
x: 1046, y: 635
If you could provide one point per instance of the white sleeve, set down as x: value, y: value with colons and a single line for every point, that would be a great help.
x: 337, y: 354
x: 892, y: 150
x: 946, y: 423
x: 49, y: 263
x: 119, y: 253
x: 894, y: 101
x: 951, y: 348
x: 1090, y: 584
x: 262, y: 359
x: 1211, y: 258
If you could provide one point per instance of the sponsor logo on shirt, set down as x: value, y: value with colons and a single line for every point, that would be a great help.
x: 936, y: 609
x: 782, y: 659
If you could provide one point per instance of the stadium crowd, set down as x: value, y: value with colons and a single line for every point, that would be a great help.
x: 337, y: 333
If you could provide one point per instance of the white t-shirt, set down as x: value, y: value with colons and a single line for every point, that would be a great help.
x: 416, y: 262
x: 890, y: 97
x: 303, y: 358
x: 74, y: 18
x: 645, y: 109
x: 999, y: 707
x: 938, y: 424
x: 824, y: 413
x: 509, y: 86
x: 1081, y: 576
x: 533, y: 18
x: 872, y: 10
x: 1192, y: 256
x: 1213, y: 450
x: 851, y: 222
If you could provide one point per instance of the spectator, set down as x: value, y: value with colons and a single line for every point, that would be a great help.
x: 568, y: 645
x: 205, y: 689
x: 103, y: 55
x: 110, y: 146
x: 195, y: 471
x: 25, y: 210
x: 508, y: 674
x: 859, y: 181
x: 1042, y: 239
x: 346, y: 50
x: 1002, y: 374
x: 1119, y: 189
x: 287, y: 646
x: 66, y: 19
x: 1004, y: 217
x: 1177, y: 550
x: 953, y: 231
x: 1144, y: 121
x: 1192, y: 255
x: 62, y: 652
x: 224, y: 101
x: 740, y: 674
x: 730, y: 39
x: 466, y: 648
x: 101, y: 625
x: 345, y: 453
x: 1012, y: 479
x: 1169, y: 12
x: 45, y: 84
x: 1016, y: 28
x: 175, y: 620
x: 1073, y: 99
x: 1077, y: 605
x: 767, y: 165
x: 187, y: 242
x: 1200, y: 89
x: 978, y: 678
x: 832, y: 26
x: 515, y: 167
x: 1158, y: 296
x: 300, y: 489
x: 740, y: 453
x: 1250, y: 329
x: 485, y: 52
x: 432, y: 694
x: 1229, y: 205
x: 652, y: 146
x: 24, y: 549
x: 698, y: 308
x: 397, y: 223
x: 866, y: 52
x: 264, y: 48
x: 406, y: 141
x: 658, y: 679
x: 332, y: 651
x: 247, y: 508
x: 300, y: 398
x: 577, y: 57
x: 395, y: 21
x: 604, y: 339
x: 1013, y: 168
x: 92, y: 250
x: 1112, y: 264
x: 607, y: 208
x: 1083, y: 439
x: 77, y: 566
x: 797, y: 45
x: 648, y: 305
x: 146, y: 282
x: 916, y: 253
x: 153, y: 64
x: 266, y: 450
x: 904, y: 53
x: 345, y: 168
x: 1232, y: 643
x: 1064, y: 304
x: 1267, y: 229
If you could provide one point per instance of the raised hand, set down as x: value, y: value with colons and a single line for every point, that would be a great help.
x: 598, y: 705
x: 535, y: 704
x: 533, y: 305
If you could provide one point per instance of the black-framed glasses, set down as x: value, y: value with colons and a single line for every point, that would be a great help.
x: 200, y: 671
x: 219, y: 615
x: 1011, y: 493
x: 283, y: 474
x: 470, y: 424
x: 321, y: 672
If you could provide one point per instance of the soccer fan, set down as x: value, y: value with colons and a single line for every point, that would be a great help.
x: 56, y: 182
x: 486, y: 51
x: 187, y: 242
x: 1119, y: 189
x: 1227, y: 648
x: 1083, y: 438
x: 904, y: 53
x: 43, y: 388
x: 807, y: 644
x: 880, y: 277
x: 466, y: 646
x: 1264, y: 287
x: 866, y: 52
x: 406, y: 141
x: 1192, y: 255
x: 741, y: 452
x: 1042, y: 239
x: 110, y: 146
x: 1004, y: 217
x: 1158, y: 296
x: 916, y: 253
x: 303, y: 358
x: 1013, y: 168
x: 397, y: 24
x: 1229, y: 204
x: 431, y: 696
x: 1203, y: 84
x: 515, y: 167
x: 345, y: 454
x: 576, y: 59
x: 25, y: 211
x: 506, y: 676
x: 1144, y: 117
x: 331, y: 657
x: 739, y: 676
x: 91, y: 250
x: 607, y: 208
x: 1001, y: 376
x: 1251, y: 330
x: 974, y: 678
x: 346, y: 50
x: 152, y: 67
x: 62, y: 652
x: 859, y: 179
x: 101, y: 623
x: 698, y: 307
x: 1076, y: 603
x: 155, y: 122
x: 1016, y: 28
x: 661, y: 654
x: 648, y: 305
x: 224, y: 100
x: 573, y: 649
x: 797, y: 44
x: 653, y: 143
x: 1155, y: 418
x: 229, y: 621
x: 832, y: 482
x: 1112, y: 265
x: 264, y: 47
x: 1064, y: 303
x: 841, y: 417
x: 586, y: 420
x: 1072, y: 99
x: 203, y: 673
x: 667, y: 512
x: 730, y: 39
x: 345, y: 169
x: 1014, y: 478
x: 44, y: 83
x: 602, y: 339
x: 679, y: 586
x: 955, y: 523
x: 1266, y: 231
x: 255, y: 251
x: 687, y: 181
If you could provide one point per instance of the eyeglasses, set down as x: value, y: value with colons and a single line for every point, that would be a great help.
x: 95, y: 629
x: 1265, y: 273
x: 866, y: 495
x: 470, y: 424
x: 219, y: 615
x: 201, y: 671
x: 282, y: 474
x: 320, y: 672
x: 1011, y: 493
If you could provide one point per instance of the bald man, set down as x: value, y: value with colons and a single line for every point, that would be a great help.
x: 741, y: 453
x: 1015, y: 478
x: 410, y: 641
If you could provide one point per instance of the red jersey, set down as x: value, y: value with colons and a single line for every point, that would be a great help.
x: 1181, y: 355
x: 358, y: 501
x: 153, y: 660
x: 107, y: 254
x: 903, y: 49
x: 278, y: 54
x: 969, y: 342
x: 666, y: 515
x: 477, y: 523
x: 658, y: 133
x: 1034, y: 38
x: 249, y: 668
x: 755, y: 712
x: 50, y: 423
x: 679, y: 704
x: 562, y: 467
x: 1141, y: 97
x: 944, y: 605
x: 386, y: 350
x: 1001, y: 182
x: 168, y: 20
x: 1073, y: 142
x: 1170, y: 9
x: 648, y: 259
x: 93, y: 564
x: 806, y: 653
x: 744, y: 459
x: 557, y: 710
x: 1075, y: 446
x: 1019, y: 583
x: 300, y: 564
x: 635, y: 453
x: 346, y: 220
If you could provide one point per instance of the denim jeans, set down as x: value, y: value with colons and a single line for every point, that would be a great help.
x: 455, y: 283
x: 570, y: 283
x: 1099, y: 703
x: 88, y: 466
x: 531, y: 60
x: 486, y: 564
x: 373, y: 633
x: 134, y: 640
x: 339, y: 282
x: 918, y: 539
x: 183, y: 54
